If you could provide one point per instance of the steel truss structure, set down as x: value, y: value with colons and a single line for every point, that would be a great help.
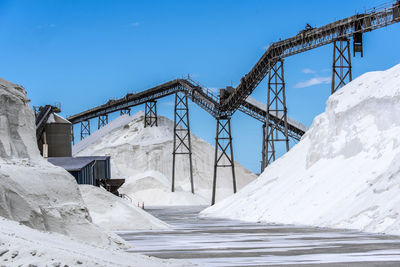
x: 341, y: 68
x: 150, y: 114
x: 182, y: 141
x: 223, y: 152
x: 274, y: 116
x: 276, y: 104
x: 308, y: 39
x: 103, y: 121
x: 85, y: 129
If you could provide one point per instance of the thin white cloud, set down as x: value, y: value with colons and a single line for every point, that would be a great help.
x: 134, y: 24
x: 313, y: 81
x: 308, y: 71
x: 40, y: 27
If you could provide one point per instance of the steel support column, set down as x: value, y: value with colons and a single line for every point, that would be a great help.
x: 341, y: 68
x: 150, y: 114
x: 182, y: 143
x: 85, y: 129
x: 276, y: 106
x: 125, y: 111
x: 223, y: 152
x: 103, y: 121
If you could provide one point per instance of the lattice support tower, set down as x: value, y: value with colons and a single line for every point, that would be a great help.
x: 223, y: 152
x: 150, y: 115
x: 125, y: 111
x: 341, y: 67
x: 103, y: 121
x: 274, y: 133
x: 85, y: 129
x: 182, y: 142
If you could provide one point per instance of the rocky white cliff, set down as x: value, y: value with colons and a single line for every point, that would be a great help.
x: 345, y: 172
x: 32, y: 191
x: 43, y: 219
x: 143, y: 156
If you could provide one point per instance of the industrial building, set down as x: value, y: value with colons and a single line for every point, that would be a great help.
x: 54, y: 137
x: 86, y: 170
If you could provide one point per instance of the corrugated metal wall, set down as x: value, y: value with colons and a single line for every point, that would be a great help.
x: 99, y: 169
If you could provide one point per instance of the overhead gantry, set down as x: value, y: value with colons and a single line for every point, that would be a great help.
x: 277, y: 127
x: 185, y: 89
x: 271, y: 64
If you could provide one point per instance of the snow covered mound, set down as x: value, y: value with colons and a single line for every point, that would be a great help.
x: 114, y: 213
x: 23, y: 246
x: 143, y: 156
x: 345, y: 172
x: 32, y: 191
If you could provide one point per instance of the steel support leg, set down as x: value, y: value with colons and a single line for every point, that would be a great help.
x: 103, y: 121
x: 223, y: 152
x: 85, y: 129
x: 125, y: 111
x: 276, y: 105
x: 182, y: 143
x: 341, y: 68
x: 150, y: 115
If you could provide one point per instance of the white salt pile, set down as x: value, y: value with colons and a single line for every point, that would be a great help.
x: 143, y: 156
x: 43, y: 219
x: 345, y: 172
x: 33, y: 191
x: 114, y: 213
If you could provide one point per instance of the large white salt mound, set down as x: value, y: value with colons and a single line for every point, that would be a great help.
x: 154, y: 189
x: 144, y: 156
x: 345, y: 172
x: 32, y: 191
x: 23, y: 246
x: 114, y: 213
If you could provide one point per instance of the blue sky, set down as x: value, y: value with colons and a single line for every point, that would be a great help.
x: 82, y: 53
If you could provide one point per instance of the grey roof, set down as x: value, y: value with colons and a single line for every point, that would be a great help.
x: 75, y: 163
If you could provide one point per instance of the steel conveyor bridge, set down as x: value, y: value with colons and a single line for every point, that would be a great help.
x: 277, y: 127
x: 202, y: 96
x: 311, y: 38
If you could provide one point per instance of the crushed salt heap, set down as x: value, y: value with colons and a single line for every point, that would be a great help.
x: 143, y: 156
x: 345, y: 172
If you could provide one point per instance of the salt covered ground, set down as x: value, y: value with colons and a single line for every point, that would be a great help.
x: 114, y: 213
x: 224, y: 242
x: 143, y: 156
x: 345, y: 172
x: 23, y: 246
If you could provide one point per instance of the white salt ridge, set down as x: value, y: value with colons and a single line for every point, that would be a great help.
x: 345, y: 172
x: 46, y: 198
x: 33, y: 191
x: 143, y: 156
x: 117, y: 214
